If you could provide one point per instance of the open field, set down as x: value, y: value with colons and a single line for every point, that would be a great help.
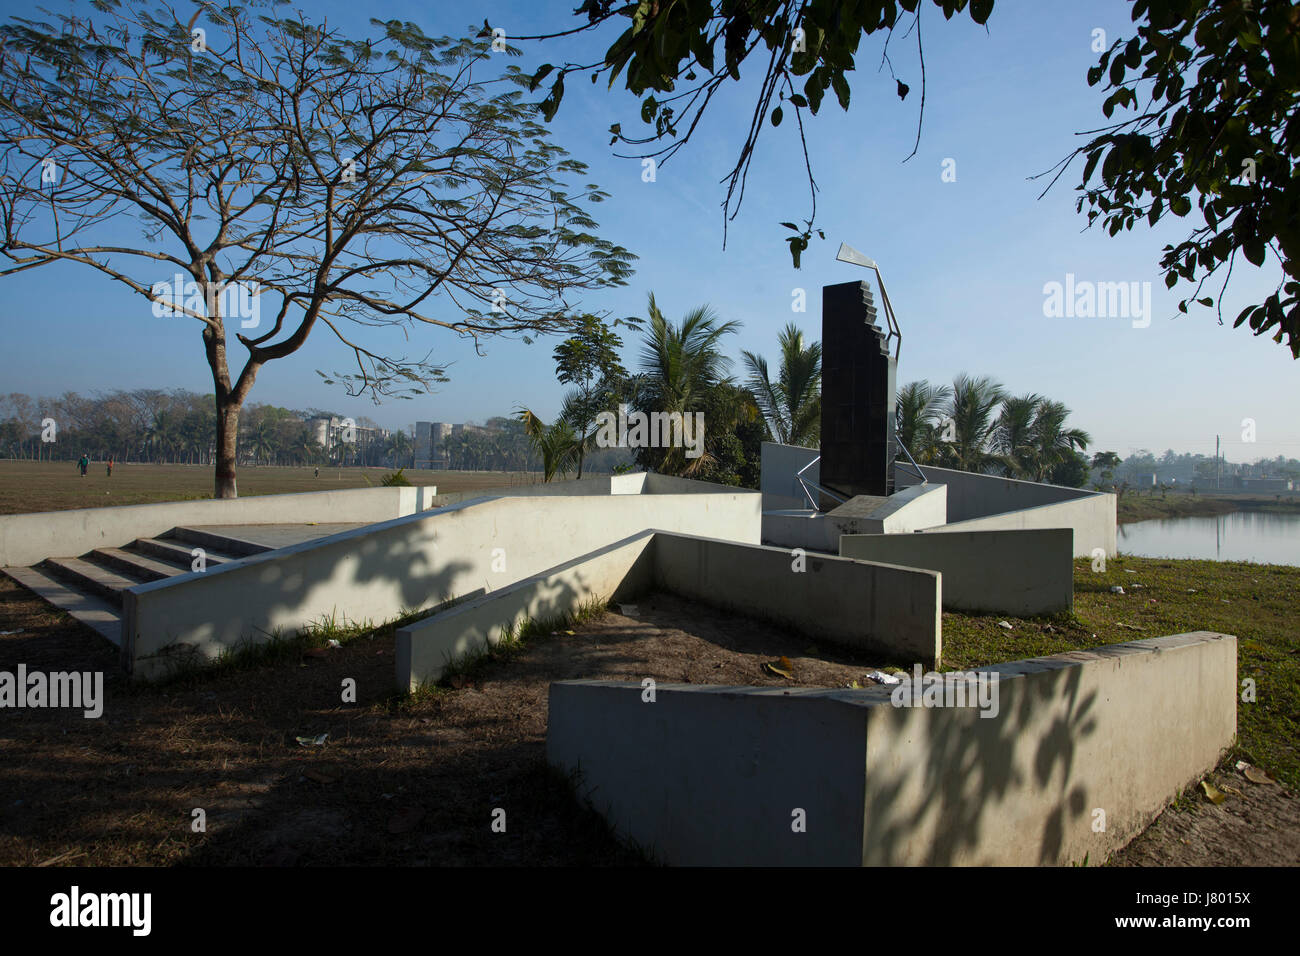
x: 27, y: 486
x: 414, y: 779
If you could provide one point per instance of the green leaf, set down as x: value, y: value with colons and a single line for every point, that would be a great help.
x: 841, y: 87
x: 776, y: 116
x: 798, y: 99
x: 980, y: 10
x: 539, y: 76
x: 903, y: 90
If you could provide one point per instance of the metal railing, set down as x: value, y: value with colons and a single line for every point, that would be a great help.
x: 805, y: 482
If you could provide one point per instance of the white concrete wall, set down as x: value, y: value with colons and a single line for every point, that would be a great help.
x: 376, y: 573
x: 425, y: 647
x: 990, y: 503
x: 1121, y: 729
x: 881, y: 608
x: 1021, y: 573
x: 27, y: 539
x: 1092, y: 519
x: 778, y: 465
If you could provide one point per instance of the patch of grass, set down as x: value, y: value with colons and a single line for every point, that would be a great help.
x: 1254, y: 602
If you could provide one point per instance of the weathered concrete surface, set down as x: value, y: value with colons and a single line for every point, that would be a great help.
x: 27, y: 539
x: 425, y: 647
x: 1003, y: 572
x: 421, y: 560
x: 894, y: 612
x: 778, y: 465
x: 888, y: 610
x: 912, y: 509
x: 715, y: 775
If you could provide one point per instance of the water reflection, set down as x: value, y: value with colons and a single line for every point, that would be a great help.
x: 1257, y: 536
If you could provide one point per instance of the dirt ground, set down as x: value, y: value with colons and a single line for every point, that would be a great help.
x: 404, y: 780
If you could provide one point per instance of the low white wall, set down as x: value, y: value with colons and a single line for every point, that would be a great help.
x: 426, y: 647
x: 1022, y: 573
x: 881, y: 608
x: 1106, y: 736
x: 892, y: 611
x: 27, y: 539
x: 376, y: 573
x: 1092, y: 519
x: 989, y: 503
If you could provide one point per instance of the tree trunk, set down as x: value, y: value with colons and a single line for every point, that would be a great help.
x: 227, y: 445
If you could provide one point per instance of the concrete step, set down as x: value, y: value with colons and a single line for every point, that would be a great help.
x: 85, y: 576
x: 213, y: 540
x: 175, y: 552
x: 92, y: 611
x: 138, y: 566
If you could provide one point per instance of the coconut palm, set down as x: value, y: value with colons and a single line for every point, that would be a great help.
x: 1013, y: 439
x: 972, y: 409
x: 400, y: 447
x: 1052, y: 443
x: 558, y: 444
x: 260, y: 441
x: 792, y: 405
x: 918, y: 406
x: 680, y: 366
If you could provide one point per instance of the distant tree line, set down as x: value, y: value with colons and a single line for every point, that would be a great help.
x: 175, y: 427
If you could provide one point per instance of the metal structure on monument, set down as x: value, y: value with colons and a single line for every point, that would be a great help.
x: 859, y: 429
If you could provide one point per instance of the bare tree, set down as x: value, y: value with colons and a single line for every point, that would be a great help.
x: 288, y: 177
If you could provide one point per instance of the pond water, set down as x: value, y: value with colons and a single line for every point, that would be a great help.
x: 1258, y: 536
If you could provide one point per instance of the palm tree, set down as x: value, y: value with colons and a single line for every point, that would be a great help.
x: 680, y: 366
x: 400, y: 447
x: 1052, y: 442
x: 559, y: 445
x: 792, y: 405
x: 1014, y: 439
x: 918, y: 405
x: 260, y: 441
x: 971, y: 409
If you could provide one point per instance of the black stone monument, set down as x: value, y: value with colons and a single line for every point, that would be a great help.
x: 858, y: 396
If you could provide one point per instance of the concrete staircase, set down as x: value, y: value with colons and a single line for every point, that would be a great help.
x: 89, y: 587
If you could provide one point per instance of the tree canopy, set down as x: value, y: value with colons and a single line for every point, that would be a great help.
x: 395, y: 179
x: 1214, y: 89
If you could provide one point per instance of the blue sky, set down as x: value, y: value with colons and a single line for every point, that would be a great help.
x: 965, y: 262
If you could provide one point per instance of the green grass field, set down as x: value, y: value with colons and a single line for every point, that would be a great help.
x: 57, y: 486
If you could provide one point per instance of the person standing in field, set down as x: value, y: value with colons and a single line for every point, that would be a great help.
x: 83, y: 464
x: 110, y: 466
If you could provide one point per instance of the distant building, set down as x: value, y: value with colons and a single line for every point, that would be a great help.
x: 331, y: 431
x: 1265, y: 484
x: 430, y: 443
